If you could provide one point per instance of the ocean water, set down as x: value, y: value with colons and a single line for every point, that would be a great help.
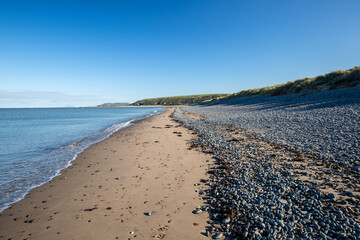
x: 35, y: 144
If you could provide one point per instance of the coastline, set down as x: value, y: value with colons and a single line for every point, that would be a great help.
x: 105, y: 192
x: 68, y: 153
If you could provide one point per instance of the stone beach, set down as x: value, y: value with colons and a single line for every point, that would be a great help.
x: 284, y: 167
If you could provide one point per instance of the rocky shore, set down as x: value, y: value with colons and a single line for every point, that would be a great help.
x: 285, y: 167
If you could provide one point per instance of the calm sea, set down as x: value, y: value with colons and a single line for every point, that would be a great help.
x: 35, y: 144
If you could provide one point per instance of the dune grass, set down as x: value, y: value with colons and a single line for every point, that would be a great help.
x: 333, y: 80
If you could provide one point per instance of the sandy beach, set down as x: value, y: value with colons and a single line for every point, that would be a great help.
x: 140, y: 183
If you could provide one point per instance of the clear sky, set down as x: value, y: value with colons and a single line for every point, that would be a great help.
x: 83, y: 53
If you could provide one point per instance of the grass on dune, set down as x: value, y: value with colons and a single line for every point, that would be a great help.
x: 333, y: 80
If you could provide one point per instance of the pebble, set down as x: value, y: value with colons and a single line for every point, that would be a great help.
x: 197, y: 211
x: 331, y: 196
x: 265, y: 200
x: 217, y: 236
x: 226, y: 220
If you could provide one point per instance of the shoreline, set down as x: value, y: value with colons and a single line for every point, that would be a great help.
x: 75, y: 193
x: 74, y: 156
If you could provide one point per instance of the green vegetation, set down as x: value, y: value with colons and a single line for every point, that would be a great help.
x: 180, y: 100
x: 108, y: 105
x: 333, y: 80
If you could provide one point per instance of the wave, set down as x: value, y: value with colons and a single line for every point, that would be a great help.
x: 55, y: 159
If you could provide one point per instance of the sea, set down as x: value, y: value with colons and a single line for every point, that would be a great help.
x: 37, y: 143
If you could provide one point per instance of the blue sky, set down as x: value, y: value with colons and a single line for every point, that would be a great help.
x: 83, y: 53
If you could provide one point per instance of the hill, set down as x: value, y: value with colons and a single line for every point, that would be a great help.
x: 107, y: 105
x: 180, y: 100
x: 333, y: 80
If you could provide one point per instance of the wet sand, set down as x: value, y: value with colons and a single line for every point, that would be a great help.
x: 111, y: 186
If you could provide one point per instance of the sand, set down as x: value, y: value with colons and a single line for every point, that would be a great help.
x: 105, y: 194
